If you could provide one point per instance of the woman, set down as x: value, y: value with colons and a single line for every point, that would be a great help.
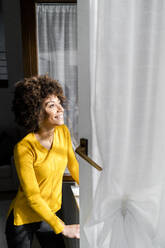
x: 40, y: 159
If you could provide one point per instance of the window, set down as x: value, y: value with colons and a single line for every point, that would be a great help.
x: 3, y: 58
x: 57, y: 53
x: 49, y: 34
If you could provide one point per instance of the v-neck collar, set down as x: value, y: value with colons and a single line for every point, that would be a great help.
x: 40, y: 146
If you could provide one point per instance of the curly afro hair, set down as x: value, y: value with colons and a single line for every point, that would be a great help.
x: 28, y: 98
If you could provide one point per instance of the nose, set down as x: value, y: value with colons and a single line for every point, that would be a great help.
x: 60, y: 108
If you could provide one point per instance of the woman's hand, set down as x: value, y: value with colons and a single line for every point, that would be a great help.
x: 72, y: 231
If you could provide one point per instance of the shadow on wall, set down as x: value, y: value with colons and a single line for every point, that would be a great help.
x: 8, y: 139
x: 8, y: 175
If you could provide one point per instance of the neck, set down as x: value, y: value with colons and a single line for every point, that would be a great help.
x: 45, y: 133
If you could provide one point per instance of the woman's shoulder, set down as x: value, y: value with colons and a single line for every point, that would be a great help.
x: 26, y: 141
x: 63, y: 132
x: 62, y: 128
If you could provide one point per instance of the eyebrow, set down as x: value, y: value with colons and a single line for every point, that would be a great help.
x: 50, y: 102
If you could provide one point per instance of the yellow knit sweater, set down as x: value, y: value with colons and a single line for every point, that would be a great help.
x: 40, y: 172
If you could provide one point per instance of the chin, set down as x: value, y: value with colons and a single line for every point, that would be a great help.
x: 59, y: 123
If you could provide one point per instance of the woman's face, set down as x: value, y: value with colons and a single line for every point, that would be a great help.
x: 52, y: 112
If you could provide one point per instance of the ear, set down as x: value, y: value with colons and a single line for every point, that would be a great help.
x: 42, y: 117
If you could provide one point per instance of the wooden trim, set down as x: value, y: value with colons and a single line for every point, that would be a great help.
x: 29, y: 37
x: 68, y: 178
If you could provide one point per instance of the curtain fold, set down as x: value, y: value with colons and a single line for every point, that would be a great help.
x: 57, y: 53
x: 127, y: 58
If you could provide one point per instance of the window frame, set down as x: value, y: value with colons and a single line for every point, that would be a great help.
x: 29, y: 34
x: 29, y: 40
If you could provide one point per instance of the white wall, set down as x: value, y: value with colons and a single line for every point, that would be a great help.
x: 84, y: 108
x: 83, y: 70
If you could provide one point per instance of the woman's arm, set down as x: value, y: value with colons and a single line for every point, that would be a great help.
x: 72, y: 231
x: 24, y: 165
x: 73, y: 165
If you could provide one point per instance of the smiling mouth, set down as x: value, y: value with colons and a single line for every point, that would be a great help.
x: 59, y: 117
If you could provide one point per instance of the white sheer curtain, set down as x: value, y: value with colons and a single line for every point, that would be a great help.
x: 57, y: 53
x: 127, y: 52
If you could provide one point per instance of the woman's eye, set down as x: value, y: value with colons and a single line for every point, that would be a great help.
x: 51, y: 106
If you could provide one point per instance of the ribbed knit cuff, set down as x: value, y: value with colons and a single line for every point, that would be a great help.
x: 58, y: 225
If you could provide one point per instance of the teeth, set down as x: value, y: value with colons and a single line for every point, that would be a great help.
x: 59, y: 116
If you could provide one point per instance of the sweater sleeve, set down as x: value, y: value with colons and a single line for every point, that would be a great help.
x: 73, y: 165
x: 23, y: 157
